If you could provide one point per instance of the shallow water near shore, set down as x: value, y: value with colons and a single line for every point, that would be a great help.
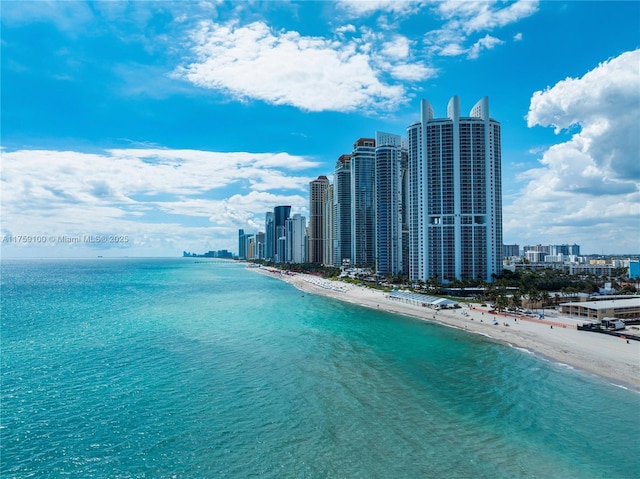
x: 192, y: 369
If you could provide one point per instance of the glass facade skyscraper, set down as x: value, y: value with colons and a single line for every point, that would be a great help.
x: 280, y: 216
x: 427, y: 207
x: 242, y: 245
x: 363, y: 170
x: 328, y: 225
x: 269, y: 233
x: 388, y: 203
x: 342, y: 211
x: 317, y: 190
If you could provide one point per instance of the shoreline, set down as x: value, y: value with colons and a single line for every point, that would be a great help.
x: 555, y: 339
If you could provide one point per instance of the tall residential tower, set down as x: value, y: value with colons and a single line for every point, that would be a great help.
x: 363, y: 176
x: 328, y: 225
x: 455, y: 210
x: 388, y: 203
x: 317, y: 195
x: 296, y: 237
x: 269, y: 230
x: 342, y: 212
x: 280, y: 216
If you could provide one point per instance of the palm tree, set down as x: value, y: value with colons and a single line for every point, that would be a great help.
x: 534, y: 297
x: 516, y: 300
x: 544, y: 296
x: 501, y: 302
x: 490, y: 293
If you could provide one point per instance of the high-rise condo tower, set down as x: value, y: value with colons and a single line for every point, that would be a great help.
x: 342, y: 212
x: 455, y: 194
x: 280, y: 216
x: 363, y: 171
x: 328, y: 225
x: 317, y: 192
x: 295, y: 241
x: 388, y: 203
x: 269, y: 230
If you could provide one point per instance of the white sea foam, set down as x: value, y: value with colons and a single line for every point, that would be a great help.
x: 521, y: 349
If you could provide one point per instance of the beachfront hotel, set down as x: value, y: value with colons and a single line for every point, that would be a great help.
x: 455, y: 198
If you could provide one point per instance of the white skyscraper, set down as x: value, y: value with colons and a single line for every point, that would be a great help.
x: 455, y: 194
x: 295, y: 239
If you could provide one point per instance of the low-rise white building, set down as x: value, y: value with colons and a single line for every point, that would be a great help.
x: 598, y: 310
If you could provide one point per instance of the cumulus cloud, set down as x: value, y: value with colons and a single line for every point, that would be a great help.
x: 285, y: 68
x: 592, y: 180
x: 464, y: 19
x: 605, y: 105
x: 179, y: 194
x: 346, y: 29
x: 354, y: 69
x: 397, y: 48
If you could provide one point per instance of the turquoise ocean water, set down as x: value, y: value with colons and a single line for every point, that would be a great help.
x: 148, y: 368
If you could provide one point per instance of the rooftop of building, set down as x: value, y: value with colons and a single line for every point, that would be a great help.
x: 365, y: 142
x: 607, y: 304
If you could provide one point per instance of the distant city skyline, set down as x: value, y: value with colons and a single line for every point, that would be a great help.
x: 151, y: 128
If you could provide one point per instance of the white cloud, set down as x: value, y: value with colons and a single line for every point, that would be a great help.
x: 362, y: 8
x: 286, y: 68
x: 143, y: 193
x: 605, y: 104
x: 485, y: 15
x: 466, y: 18
x: 590, y: 184
x: 412, y: 72
x: 486, y: 43
x: 394, y: 58
x: 396, y: 49
x: 517, y: 37
x: 452, y: 50
x: 346, y: 29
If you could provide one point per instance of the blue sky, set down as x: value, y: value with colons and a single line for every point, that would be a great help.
x: 176, y: 124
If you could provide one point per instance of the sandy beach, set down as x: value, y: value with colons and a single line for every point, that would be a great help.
x: 555, y: 338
